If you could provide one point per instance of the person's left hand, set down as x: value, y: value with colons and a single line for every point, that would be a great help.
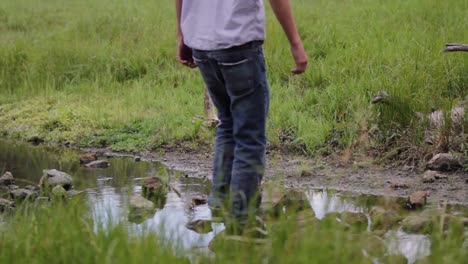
x: 184, y: 54
x: 300, y: 57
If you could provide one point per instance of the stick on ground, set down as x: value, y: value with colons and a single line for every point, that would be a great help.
x: 452, y: 47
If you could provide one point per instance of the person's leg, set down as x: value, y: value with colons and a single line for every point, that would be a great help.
x: 224, y: 145
x: 245, y: 80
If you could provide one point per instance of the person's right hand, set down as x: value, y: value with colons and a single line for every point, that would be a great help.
x: 300, y: 57
x: 184, y: 54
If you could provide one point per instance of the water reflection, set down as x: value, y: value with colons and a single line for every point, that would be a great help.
x: 109, y: 191
x: 109, y: 204
x: 412, y: 246
x: 323, y: 202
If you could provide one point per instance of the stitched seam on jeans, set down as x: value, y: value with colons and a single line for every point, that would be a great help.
x: 198, y: 60
x: 233, y: 63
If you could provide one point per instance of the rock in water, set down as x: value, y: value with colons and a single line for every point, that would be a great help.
x: 443, y: 162
x: 7, y: 179
x: 154, y: 189
x: 292, y: 201
x: 138, y: 202
x: 98, y: 164
x: 417, y: 224
x: 87, y: 158
x: 200, y: 226
x: 6, y: 205
x: 23, y: 194
x: 58, y: 192
x: 382, y: 219
x: 140, y: 208
x: 199, y: 200
x: 73, y: 193
x: 356, y: 221
x: 52, y: 178
x: 417, y: 199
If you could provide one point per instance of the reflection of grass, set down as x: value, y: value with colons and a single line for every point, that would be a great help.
x: 60, y: 234
x: 103, y: 73
x: 66, y: 235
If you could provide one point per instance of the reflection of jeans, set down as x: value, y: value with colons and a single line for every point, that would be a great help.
x: 236, y: 81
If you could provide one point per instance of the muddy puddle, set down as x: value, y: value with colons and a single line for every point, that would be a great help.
x: 108, y: 192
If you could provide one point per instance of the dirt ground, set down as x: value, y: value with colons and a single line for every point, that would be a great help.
x: 305, y: 173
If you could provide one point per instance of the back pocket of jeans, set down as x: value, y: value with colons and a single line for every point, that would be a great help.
x: 239, y: 76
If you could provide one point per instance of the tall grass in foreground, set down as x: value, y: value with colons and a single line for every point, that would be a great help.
x: 61, y: 234
x: 103, y: 73
x: 66, y: 234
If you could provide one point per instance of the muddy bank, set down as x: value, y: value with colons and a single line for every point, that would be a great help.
x: 302, y: 172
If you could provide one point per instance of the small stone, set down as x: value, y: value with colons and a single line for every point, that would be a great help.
x: 293, y: 201
x: 464, y: 220
x: 87, y: 158
x: 306, y: 173
x: 59, y: 192
x: 137, y: 159
x: 139, y: 202
x: 22, y: 194
x: 73, y: 193
x: 153, y: 188
x: 440, y: 176
x: 417, y: 224
x: 140, y: 208
x: 417, y: 199
x: 7, y: 179
x: 399, y: 185
x: 382, y: 219
x: 355, y: 220
x: 52, y: 178
x: 6, y: 205
x: 13, y: 187
x: 32, y: 187
x: 200, y: 226
x: 408, y: 168
x: 429, y: 176
x: 98, y: 164
x: 199, y: 200
x: 443, y: 162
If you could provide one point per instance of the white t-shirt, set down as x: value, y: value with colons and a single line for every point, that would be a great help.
x: 221, y: 24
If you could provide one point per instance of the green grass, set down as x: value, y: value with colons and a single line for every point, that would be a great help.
x: 66, y: 234
x: 103, y: 73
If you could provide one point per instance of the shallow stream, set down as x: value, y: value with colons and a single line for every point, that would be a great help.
x: 108, y: 191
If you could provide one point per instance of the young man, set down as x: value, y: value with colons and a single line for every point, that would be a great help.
x: 224, y: 39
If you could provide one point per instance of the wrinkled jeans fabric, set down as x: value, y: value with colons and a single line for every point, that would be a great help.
x: 237, y: 82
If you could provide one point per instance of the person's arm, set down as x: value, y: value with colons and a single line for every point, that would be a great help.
x: 283, y: 12
x: 184, y: 53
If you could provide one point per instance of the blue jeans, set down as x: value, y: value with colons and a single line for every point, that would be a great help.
x: 237, y: 82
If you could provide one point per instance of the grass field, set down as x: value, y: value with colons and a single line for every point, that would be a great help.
x: 103, y: 73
